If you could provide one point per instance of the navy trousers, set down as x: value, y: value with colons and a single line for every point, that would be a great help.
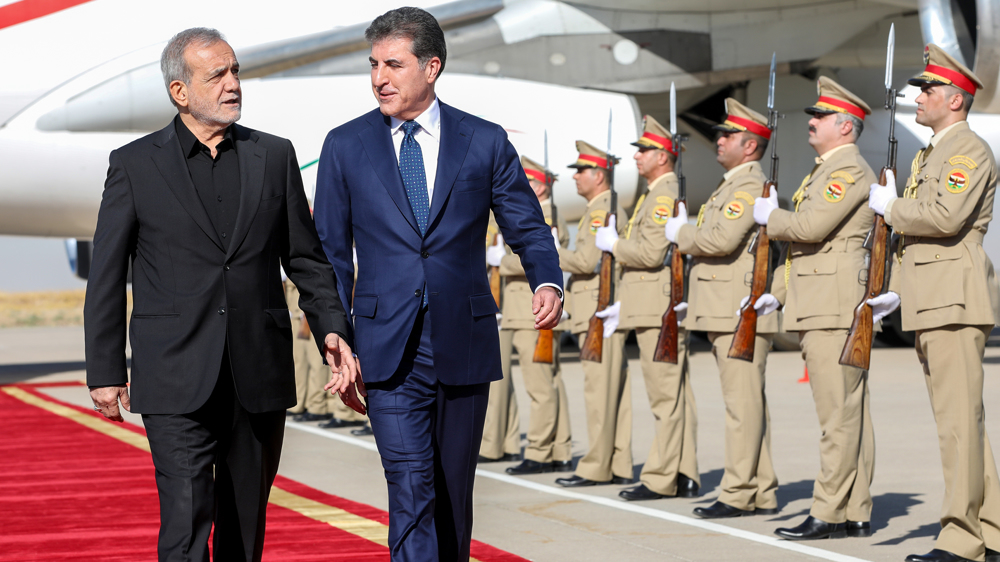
x: 428, y: 436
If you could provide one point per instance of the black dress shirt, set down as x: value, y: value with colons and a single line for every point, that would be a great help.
x: 217, y: 180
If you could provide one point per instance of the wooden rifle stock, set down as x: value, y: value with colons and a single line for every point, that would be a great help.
x: 666, y: 344
x: 544, y: 348
x: 593, y: 345
x: 495, y: 278
x: 746, y: 330
x: 858, y: 347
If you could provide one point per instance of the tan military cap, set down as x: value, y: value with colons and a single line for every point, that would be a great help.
x: 942, y: 68
x: 590, y: 157
x: 655, y: 136
x: 741, y: 118
x: 536, y: 171
x: 834, y: 98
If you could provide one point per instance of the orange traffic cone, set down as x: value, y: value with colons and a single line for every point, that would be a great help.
x: 805, y: 376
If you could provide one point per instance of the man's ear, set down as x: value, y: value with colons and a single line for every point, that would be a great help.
x: 433, y: 70
x: 179, y: 93
x: 750, y: 147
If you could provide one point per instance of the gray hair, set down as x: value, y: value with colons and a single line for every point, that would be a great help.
x: 857, y: 124
x: 967, y: 99
x: 414, y: 24
x: 173, y: 65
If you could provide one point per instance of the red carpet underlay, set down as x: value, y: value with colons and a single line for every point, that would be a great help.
x: 74, y: 486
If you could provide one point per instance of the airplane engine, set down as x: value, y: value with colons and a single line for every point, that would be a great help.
x: 970, y: 31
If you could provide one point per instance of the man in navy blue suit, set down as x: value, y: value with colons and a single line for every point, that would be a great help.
x: 412, y: 184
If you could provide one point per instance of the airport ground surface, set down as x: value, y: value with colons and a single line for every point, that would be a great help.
x: 533, y: 518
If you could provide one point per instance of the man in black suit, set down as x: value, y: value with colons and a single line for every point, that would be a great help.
x: 206, y: 210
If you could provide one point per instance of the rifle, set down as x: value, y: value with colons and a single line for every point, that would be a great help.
x: 666, y: 344
x: 544, y: 348
x: 746, y: 330
x: 858, y: 347
x: 593, y: 345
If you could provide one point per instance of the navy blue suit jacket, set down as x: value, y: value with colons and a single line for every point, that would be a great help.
x: 360, y: 198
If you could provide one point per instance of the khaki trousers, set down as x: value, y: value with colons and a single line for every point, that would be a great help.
x: 674, y: 449
x: 952, y: 359
x: 608, y: 397
x: 847, y: 439
x: 502, y: 430
x: 749, y: 481
x: 311, y: 375
x: 550, y: 437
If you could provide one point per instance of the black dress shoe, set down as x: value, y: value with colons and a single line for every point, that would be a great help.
x: 577, y: 482
x: 506, y: 457
x: 529, y: 466
x: 992, y: 555
x: 311, y: 417
x: 621, y: 480
x: 686, y: 488
x: 813, y: 529
x: 719, y: 510
x: 562, y: 466
x: 864, y: 529
x: 639, y: 493
x: 936, y: 555
x: 366, y: 430
x: 340, y: 424
x: 291, y: 414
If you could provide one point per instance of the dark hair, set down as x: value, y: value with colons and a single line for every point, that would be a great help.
x: 761, y: 142
x: 416, y: 25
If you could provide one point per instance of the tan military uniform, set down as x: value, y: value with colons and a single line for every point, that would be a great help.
x: 607, y: 391
x: 826, y: 232
x: 718, y: 283
x: 645, y: 295
x: 310, y: 372
x: 949, y: 295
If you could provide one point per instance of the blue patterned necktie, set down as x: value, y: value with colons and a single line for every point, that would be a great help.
x: 411, y: 167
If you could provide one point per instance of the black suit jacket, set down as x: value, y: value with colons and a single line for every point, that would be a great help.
x: 190, y: 297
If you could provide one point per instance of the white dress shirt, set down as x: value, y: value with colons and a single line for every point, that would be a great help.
x: 428, y: 136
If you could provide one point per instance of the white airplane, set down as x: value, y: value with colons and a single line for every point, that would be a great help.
x: 81, y: 78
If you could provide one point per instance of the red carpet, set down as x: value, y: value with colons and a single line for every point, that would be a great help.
x: 69, y: 491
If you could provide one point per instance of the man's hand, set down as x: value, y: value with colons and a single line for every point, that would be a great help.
x: 883, y: 305
x: 496, y: 252
x: 607, y: 236
x: 106, y: 401
x: 880, y: 195
x: 674, y: 224
x: 547, y: 308
x: 611, y: 316
x: 763, y: 208
x: 682, y: 312
x: 766, y: 304
x: 343, y: 366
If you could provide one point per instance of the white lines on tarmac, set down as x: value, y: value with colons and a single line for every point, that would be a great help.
x: 614, y: 504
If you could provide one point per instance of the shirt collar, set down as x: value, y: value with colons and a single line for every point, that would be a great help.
x: 429, y: 120
x: 940, y: 135
x: 599, y: 195
x: 738, y: 169
x: 829, y: 153
x: 664, y: 178
x: 190, y: 145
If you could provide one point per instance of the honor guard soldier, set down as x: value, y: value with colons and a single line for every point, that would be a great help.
x: 549, y: 446
x: 671, y: 469
x: 719, y: 244
x: 607, y: 391
x: 819, y: 286
x: 310, y: 373
x: 949, y: 297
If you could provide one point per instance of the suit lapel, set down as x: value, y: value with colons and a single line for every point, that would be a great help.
x: 252, y: 159
x: 172, y: 166
x: 377, y: 142
x: 455, y: 139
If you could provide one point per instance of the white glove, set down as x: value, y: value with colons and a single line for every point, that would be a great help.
x: 880, y: 195
x: 355, y: 251
x: 763, y: 208
x: 555, y: 237
x: 883, y: 305
x: 675, y: 223
x: 610, y: 315
x: 496, y: 252
x: 499, y: 317
x: 682, y: 312
x: 766, y: 304
x: 606, y: 236
x: 565, y: 316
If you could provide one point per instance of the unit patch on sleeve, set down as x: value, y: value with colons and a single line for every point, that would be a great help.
x: 597, y: 220
x: 734, y: 210
x: 745, y: 196
x: 962, y: 160
x: 660, y: 214
x: 958, y: 181
x: 834, y: 191
x: 843, y: 175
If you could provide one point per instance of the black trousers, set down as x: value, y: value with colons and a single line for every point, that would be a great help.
x: 215, y: 465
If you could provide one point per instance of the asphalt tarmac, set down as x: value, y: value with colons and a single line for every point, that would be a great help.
x: 534, y: 518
